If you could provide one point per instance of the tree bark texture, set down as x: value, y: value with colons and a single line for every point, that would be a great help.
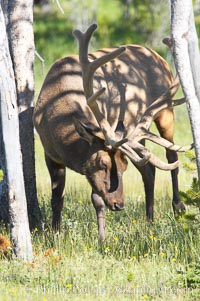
x: 4, y: 211
x: 21, y: 43
x: 4, y: 206
x: 20, y: 233
x: 187, y: 62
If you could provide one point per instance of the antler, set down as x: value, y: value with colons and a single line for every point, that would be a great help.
x: 130, y: 145
x: 88, y: 70
x: 142, y: 129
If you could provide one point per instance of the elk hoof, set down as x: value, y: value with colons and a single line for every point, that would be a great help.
x: 179, y: 208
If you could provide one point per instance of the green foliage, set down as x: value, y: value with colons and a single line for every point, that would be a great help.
x: 1, y: 174
x: 119, y: 23
x: 189, y: 279
x: 190, y: 164
x: 53, y: 38
x: 192, y: 196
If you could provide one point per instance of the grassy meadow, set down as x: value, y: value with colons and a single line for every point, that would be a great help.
x: 138, y: 260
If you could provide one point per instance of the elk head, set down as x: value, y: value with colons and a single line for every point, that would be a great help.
x: 104, y: 166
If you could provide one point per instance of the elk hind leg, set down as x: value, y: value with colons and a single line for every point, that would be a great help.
x: 165, y: 125
x: 57, y: 175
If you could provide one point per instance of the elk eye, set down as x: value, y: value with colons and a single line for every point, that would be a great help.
x: 103, y: 165
x: 125, y: 161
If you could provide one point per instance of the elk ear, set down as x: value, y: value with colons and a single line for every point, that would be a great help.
x: 87, y: 131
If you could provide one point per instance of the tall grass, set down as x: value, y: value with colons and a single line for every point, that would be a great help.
x: 138, y: 260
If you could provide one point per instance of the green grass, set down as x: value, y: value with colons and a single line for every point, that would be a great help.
x: 138, y: 260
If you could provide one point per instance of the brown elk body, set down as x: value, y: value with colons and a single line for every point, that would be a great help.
x: 72, y: 136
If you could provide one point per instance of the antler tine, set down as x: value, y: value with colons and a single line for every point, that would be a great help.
x: 142, y: 129
x: 151, y: 112
x: 141, y: 149
x: 84, y: 39
x: 160, y: 104
x: 147, y: 157
x: 88, y: 68
x: 162, y: 165
x: 135, y: 158
x: 163, y: 142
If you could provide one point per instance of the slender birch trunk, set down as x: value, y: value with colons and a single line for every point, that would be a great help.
x: 19, y: 19
x: 20, y: 233
x: 187, y: 62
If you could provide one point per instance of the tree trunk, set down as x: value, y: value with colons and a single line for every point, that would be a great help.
x: 4, y: 206
x: 187, y: 62
x: 22, y: 49
x: 4, y: 211
x: 20, y: 233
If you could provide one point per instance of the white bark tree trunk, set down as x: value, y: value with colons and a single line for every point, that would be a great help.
x: 20, y: 233
x: 187, y: 62
x: 19, y: 20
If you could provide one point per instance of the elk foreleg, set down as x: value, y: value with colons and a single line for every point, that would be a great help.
x: 148, y: 176
x: 99, y: 206
x: 57, y: 175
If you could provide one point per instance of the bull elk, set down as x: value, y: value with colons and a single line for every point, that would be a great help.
x: 95, y: 110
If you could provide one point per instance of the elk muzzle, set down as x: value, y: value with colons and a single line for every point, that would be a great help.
x: 113, y: 203
x: 117, y: 207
